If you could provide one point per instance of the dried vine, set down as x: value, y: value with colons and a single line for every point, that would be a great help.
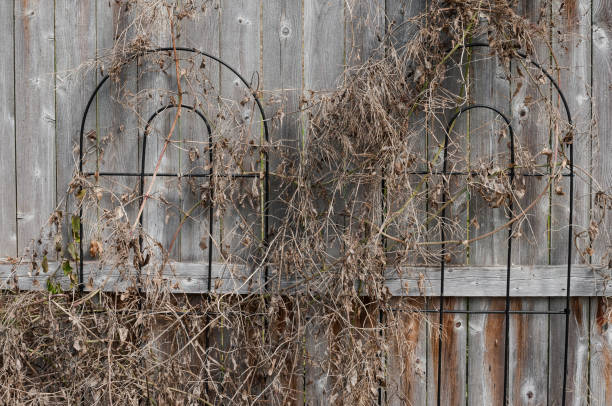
x: 355, y: 199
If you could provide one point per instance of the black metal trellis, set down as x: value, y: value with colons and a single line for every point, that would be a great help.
x: 506, y: 312
x: 262, y: 174
x: 265, y: 174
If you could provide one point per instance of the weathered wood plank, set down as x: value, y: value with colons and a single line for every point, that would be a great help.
x: 161, y: 216
x: 407, y: 359
x: 571, y: 46
x: 115, y: 122
x: 600, y: 371
x: 454, y: 345
x: 490, y: 85
x: 486, y: 352
x: 601, y: 333
x: 203, y: 85
x: 240, y: 47
x: 537, y: 281
x: 528, y: 340
x: 282, y: 85
x: 407, y: 363
x: 577, y: 389
x: 74, y: 47
x: 324, y: 60
x: 454, y: 326
x: 365, y: 28
x: 8, y: 202
x: 35, y: 118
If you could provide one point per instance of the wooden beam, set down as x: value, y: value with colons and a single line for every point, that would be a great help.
x: 460, y: 281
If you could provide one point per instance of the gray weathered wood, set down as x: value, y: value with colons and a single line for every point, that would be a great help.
x: 407, y: 369
x: 114, y: 121
x: 529, y: 333
x: 601, y: 340
x: 8, y: 210
x: 282, y: 84
x: 578, y: 352
x: 454, y: 326
x: 74, y: 47
x: 323, y: 64
x: 240, y: 47
x: 536, y: 281
x: 600, y: 371
x: 491, y: 86
x: 35, y: 118
x: 161, y: 215
x: 203, y: 34
x: 571, y: 46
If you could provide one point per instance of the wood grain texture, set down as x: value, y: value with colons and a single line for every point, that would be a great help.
x: 601, y: 339
x: 35, y: 118
x: 240, y: 33
x: 454, y: 326
x: 114, y: 121
x: 571, y: 46
x: 407, y: 362
x: 454, y: 344
x: 529, y: 333
x: 323, y: 53
x: 406, y: 382
x: 490, y: 85
x: 161, y: 216
x: 283, y: 85
x: 8, y: 202
x: 600, y: 377
x: 460, y: 282
x: 577, y: 389
x: 202, y: 83
x: 74, y: 47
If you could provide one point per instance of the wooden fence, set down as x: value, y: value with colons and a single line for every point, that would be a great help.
x: 301, y: 46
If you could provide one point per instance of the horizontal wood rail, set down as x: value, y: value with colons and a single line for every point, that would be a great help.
x: 460, y: 281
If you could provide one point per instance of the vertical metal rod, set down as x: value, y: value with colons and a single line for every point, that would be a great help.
x: 508, y: 275
x: 442, y: 261
x: 569, y: 259
x: 509, y: 259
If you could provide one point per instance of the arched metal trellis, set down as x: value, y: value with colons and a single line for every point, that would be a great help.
x: 265, y: 172
x: 262, y: 174
x: 506, y: 312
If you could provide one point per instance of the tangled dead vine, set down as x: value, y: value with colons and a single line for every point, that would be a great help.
x: 355, y: 198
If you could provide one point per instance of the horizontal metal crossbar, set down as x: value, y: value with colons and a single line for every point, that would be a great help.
x: 499, y: 312
x: 175, y: 175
